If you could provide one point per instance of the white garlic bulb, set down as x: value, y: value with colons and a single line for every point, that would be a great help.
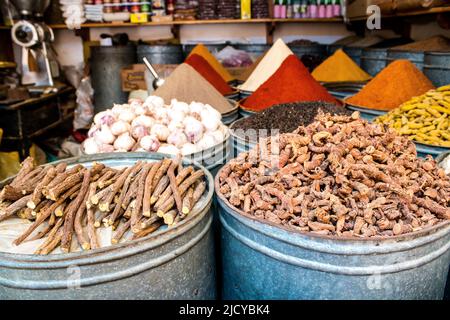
x: 104, y: 117
x: 150, y: 143
x: 119, y: 127
x: 124, y: 142
x: 169, y: 149
x: 177, y: 138
x: 138, y: 132
x: 160, y: 131
x: 104, y: 135
x: 143, y: 120
x: 90, y: 146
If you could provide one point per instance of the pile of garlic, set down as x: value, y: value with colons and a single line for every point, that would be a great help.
x: 155, y: 127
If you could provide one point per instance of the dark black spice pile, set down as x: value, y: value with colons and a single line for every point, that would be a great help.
x: 284, y: 117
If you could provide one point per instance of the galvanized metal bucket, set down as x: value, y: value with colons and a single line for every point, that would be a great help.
x: 437, y: 67
x: 373, y: 60
x: 424, y: 150
x: 161, y: 54
x: 213, y: 48
x: 265, y: 261
x: 240, y: 144
x: 416, y: 57
x: 176, y: 263
x: 318, y: 50
x: 354, y: 53
x: 255, y: 50
x: 106, y: 65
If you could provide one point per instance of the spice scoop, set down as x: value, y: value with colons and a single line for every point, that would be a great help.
x: 157, y: 82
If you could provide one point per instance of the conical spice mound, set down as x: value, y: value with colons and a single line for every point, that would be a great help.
x: 339, y: 67
x: 187, y: 85
x: 394, y: 85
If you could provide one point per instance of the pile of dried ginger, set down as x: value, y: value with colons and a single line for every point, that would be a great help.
x: 339, y: 176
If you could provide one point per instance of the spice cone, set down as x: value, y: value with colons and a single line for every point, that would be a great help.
x: 394, y: 85
x: 339, y: 67
x: 202, y: 51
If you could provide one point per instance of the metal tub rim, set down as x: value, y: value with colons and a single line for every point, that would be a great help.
x: 402, y: 242
x: 113, y: 252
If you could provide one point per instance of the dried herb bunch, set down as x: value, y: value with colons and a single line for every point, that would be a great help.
x: 71, y: 203
x: 339, y: 176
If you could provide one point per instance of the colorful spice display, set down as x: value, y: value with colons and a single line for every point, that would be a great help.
x: 64, y: 203
x: 284, y: 118
x: 425, y: 118
x: 203, y: 52
x: 207, y: 71
x: 339, y: 176
x: 290, y: 83
x: 339, y: 67
x: 187, y: 85
x: 394, y: 85
x: 267, y: 66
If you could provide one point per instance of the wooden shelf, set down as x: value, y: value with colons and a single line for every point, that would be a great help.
x: 410, y: 13
x: 198, y: 22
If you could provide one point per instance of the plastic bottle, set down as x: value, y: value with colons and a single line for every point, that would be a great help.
x: 322, y: 9
x: 312, y: 9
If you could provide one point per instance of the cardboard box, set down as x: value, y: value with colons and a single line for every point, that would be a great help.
x: 358, y: 8
x: 133, y: 78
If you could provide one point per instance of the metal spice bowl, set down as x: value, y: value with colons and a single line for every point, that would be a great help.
x: 281, y: 263
x: 366, y: 113
x: 175, y: 263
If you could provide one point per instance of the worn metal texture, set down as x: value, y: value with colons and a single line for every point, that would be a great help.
x: 415, y: 57
x: 318, y: 50
x: 175, y: 263
x: 354, y: 53
x: 254, y: 50
x: 423, y: 150
x: 373, y: 60
x: 161, y: 54
x: 264, y: 261
x: 106, y: 65
x: 437, y: 67
x: 213, y: 48
x: 240, y: 144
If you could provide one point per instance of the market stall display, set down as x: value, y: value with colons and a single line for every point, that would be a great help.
x: 423, y: 118
x: 283, y: 118
x: 334, y: 203
x: 153, y: 126
x: 339, y: 67
x: 338, y: 176
x: 394, y: 85
x: 277, y: 119
x: 267, y: 66
x: 64, y: 203
x: 186, y: 84
x: 291, y: 82
x: 207, y: 71
x: 203, y: 51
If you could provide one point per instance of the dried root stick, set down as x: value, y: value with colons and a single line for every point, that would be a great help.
x: 66, y: 240
x: 136, y: 214
x: 82, y: 240
x: 37, y: 193
x: 120, y: 231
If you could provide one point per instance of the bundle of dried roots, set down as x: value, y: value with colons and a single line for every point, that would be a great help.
x: 62, y: 202
x: 339, y: 176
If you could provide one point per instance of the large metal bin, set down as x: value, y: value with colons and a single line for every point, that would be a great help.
x: 106, y: 65
x: 161, y: 54
x: 265, y: 261
x: 437, y: 67
x: 176, y: 263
